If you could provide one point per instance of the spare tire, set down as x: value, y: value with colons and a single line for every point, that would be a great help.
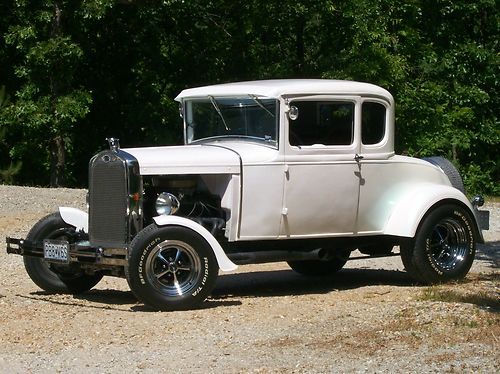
x: 449, y: 169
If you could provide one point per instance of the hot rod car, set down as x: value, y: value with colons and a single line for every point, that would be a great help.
x: 302, y: 171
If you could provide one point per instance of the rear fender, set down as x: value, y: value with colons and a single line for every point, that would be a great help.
x: 75, y: 217
x: 411, y: 208
x: 225, y: 264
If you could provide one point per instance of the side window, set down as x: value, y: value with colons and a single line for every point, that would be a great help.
x: 372, y: 123
x: 325, y: 122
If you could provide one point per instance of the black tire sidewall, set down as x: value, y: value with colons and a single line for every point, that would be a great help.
x: 426, y: 266
x: 406, y: 251
x: 449, y: 169
x: 142, y: 247
x: 40, y: 272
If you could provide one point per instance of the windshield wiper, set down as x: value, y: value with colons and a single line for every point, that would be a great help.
x: 217, y: 109
x: 259, y: 103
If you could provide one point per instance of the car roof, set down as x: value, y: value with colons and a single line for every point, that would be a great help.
x: 287, y: 87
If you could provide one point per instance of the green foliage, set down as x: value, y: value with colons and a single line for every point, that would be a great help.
x: 80, y: 71
x: 481, y: 178
x: 7, y: 175
x: 4, y: 97
x: 49, y: 100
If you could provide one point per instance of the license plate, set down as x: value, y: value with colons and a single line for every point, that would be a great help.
x: 56, y: 250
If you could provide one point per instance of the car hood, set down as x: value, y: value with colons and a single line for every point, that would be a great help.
x: 190, y: 159
x: 225, y: 157
x: 249, y: 152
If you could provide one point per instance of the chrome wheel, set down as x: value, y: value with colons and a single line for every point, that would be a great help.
x: 444, y: 245
x: 173, y: 268
x: 449, y: 243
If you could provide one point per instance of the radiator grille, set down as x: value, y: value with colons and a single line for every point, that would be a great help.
x: 108, y: 221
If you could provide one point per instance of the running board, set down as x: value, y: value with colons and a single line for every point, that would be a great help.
x: 260, y: 257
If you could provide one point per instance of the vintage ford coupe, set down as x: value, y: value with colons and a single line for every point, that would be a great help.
x: 302, y: 171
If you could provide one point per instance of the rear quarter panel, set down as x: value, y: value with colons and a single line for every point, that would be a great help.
x: 395, y: 194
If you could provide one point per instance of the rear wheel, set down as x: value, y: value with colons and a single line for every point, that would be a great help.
x: 377, y: 250
x: 443, y: 248
x: 406, y: 253
x: 52, y: 277
x: 171, y: 268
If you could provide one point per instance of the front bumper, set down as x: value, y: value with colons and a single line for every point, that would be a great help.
x: 81, y: 252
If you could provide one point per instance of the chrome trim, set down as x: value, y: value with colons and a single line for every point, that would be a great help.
x: 114, y: 144
x: 448, y: 244
x: 477, y: 201
x: 173, y: 268
x: 132, y: 182
x: 167, y: 197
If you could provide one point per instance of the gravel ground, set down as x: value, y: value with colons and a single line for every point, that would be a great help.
x: 263, y: 318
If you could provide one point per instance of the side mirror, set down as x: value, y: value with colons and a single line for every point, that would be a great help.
x: 293, y: 113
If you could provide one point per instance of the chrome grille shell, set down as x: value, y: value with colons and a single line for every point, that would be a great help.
x: 115, y: 199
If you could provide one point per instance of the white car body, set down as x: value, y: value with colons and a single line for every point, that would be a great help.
x: 309, y: 191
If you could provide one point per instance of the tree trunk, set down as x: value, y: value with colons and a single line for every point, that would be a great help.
x: 299, y: 47
x: 454, y: 154
x: 57, y: 149
x: 57, y: 161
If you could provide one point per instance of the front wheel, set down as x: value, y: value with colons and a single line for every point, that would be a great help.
x: 171, y: 268
x: 57, y: 278
x: 443, y: 248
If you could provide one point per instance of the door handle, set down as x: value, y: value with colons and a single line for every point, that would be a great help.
x: 357, y: 157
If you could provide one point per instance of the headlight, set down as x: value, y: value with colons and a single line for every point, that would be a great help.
x: 166, y: 204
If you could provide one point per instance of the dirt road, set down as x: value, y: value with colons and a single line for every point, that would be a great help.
x: 261, y: 319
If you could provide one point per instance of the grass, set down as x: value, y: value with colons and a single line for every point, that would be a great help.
x: 478, y: 289
x: 481, y: 298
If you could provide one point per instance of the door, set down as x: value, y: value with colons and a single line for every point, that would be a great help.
x: 322, y: 177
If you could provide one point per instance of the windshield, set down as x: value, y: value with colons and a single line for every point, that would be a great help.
x: 235, y: 117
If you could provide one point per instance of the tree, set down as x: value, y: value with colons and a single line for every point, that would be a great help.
x: 7, y: 174
x: 47, y: 103
x: 81, y: 71
x: 447, y: 106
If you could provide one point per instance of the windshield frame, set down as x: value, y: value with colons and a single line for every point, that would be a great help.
x: 214, y: 100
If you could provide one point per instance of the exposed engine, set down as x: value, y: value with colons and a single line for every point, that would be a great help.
x: 185, y: 196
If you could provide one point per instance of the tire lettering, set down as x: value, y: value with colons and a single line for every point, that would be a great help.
x: 429, y: 256
x: 469, y: 230
x: 143, y: 256
x: 204, y: 280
